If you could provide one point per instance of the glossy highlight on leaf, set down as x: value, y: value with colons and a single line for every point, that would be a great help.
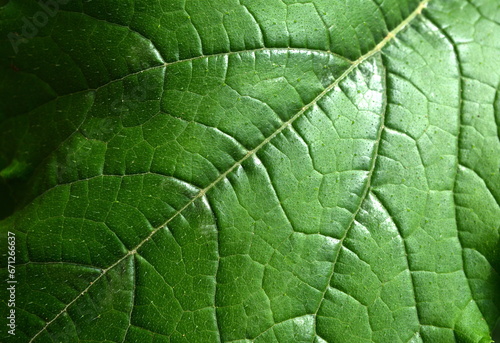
x: 250, y: 170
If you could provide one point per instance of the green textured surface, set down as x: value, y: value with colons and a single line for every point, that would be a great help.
x: 252, y: 171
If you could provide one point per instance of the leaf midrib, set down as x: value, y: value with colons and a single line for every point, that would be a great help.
x: 390, y: 36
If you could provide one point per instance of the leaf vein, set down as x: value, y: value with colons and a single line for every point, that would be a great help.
x: 286, y: 124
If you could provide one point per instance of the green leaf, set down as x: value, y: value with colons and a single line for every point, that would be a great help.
x: 250, y: 170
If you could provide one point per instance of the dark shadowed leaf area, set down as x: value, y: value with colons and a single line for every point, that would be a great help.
x: 203, y: 171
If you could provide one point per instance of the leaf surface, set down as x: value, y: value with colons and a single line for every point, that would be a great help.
x: 251, y: 171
